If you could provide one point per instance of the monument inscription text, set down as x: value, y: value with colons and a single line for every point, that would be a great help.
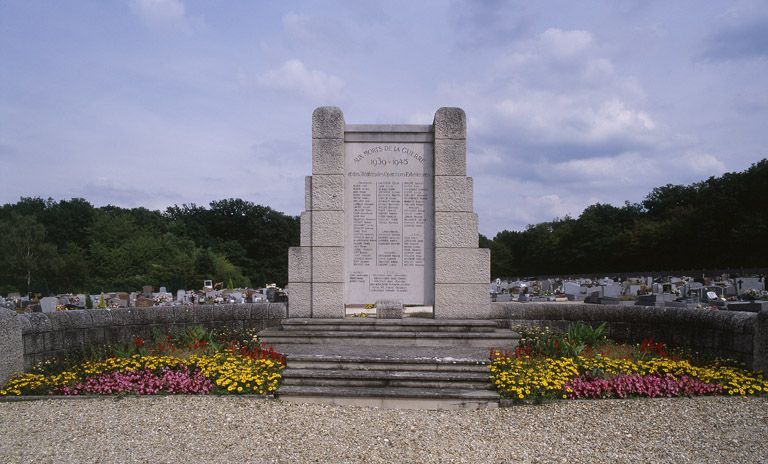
x: 389, y: 211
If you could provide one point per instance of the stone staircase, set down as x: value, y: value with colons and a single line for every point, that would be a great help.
x: 398, y: 363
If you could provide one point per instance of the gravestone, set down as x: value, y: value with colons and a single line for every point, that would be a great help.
x: 48, y: 304
x: 79, y: 300
x: 147, y: 290
x: 388, y: 216
x: 144, y: 302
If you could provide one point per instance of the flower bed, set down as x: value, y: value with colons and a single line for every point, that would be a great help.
x: 197, y: 362
x: 584, y: 364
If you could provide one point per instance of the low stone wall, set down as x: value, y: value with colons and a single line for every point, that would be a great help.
x: 38, y: 336
x: 733, y: 334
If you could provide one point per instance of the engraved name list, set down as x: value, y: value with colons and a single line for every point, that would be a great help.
x: 389, y: 211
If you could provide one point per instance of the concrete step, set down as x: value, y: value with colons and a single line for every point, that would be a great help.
x: 382, y: 383
x: 396, y: 397
x: 377, y: 364
x: 389, y: 378
x: 394, y: 325
x: 498, y: 338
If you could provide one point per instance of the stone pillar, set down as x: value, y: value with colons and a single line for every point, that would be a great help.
x: 11, y: 345
x: 462, y: 270
x: 316, y: 268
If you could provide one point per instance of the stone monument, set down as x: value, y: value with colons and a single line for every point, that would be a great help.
x: 388, y: 216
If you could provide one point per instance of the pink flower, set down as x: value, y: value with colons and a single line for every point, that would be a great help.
x: 651, y: 386
x: 145, y: 382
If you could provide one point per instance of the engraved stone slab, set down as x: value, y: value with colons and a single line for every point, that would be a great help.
x: 389, y: 222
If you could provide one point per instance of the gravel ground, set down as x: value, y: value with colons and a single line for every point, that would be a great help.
x: 215, y: 429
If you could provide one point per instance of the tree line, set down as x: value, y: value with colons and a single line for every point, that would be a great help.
x: 71, y: 246
x: 721, y: 223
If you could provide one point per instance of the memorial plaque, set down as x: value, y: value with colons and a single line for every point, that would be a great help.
x: 389, y: 221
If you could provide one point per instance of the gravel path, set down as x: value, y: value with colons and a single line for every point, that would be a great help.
x: 214, y: 429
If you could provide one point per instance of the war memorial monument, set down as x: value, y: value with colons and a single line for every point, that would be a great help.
x: 389, y: 217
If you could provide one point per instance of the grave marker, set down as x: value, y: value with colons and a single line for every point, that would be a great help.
x: 48, y: 304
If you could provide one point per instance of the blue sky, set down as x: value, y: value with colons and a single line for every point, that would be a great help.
x: 160, y: 102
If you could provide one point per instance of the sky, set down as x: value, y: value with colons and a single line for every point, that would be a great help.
x: 160, y: 102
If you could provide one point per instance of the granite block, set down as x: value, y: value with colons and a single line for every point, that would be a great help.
x: 327, y: 192
x: 456, y: 230
x: 300, y: 264
x: 462, y: 265
x: 327, y: 123
x: 327, y: 264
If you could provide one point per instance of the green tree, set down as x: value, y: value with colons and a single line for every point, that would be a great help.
x: 28, y: 260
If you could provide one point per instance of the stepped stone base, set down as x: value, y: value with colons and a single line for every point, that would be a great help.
x: 391, y: 363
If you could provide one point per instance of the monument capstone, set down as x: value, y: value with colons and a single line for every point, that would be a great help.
x: 388, y: 216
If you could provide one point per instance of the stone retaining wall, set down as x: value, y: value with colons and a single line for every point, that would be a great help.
x: 28, y: 338
x: 733, y: 334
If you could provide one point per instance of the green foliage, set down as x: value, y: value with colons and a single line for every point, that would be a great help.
x: 578, y: 337
x: 102, y: 302
x: 193, y: 334
x: 718, y: 223
x: 587, y: 335
x: 88, y: 302
x: 71, y: 246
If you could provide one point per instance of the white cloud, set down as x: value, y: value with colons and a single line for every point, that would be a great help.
x: 293, y: 77
x: 160, y: 12
x: 702, y: 164
x: 560, y: 118
x: 565, y: 44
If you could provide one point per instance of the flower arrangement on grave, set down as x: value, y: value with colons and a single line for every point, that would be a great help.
x: 162, y: 299
x: 754, y: 294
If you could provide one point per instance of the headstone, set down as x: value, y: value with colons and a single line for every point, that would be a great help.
x: 749, y: 283
x: 79, y: 300
x: 144, y: 302
x: 147, y: 290
x: 48, y: 304
x: 180, y: 296
x: 612, y: 290
x: 163, y: 290
x: 575, y: 289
